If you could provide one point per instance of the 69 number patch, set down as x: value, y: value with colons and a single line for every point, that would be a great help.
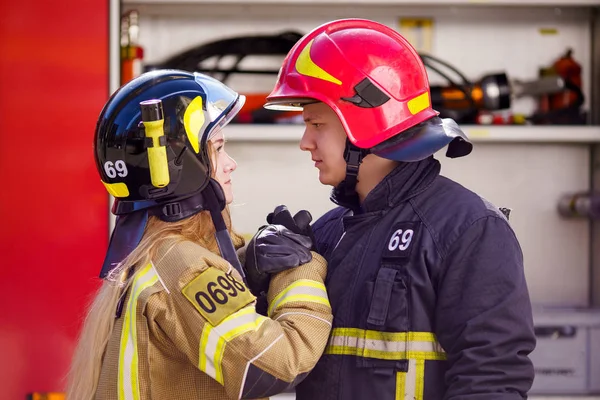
x: 399, y: 243
x: 216, y: 295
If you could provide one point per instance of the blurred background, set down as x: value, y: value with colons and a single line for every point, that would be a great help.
x: 536, y: 138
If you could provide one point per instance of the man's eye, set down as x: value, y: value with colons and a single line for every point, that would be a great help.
x: 317, y: 125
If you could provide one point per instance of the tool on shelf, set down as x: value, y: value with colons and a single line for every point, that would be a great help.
x: 464, y: 100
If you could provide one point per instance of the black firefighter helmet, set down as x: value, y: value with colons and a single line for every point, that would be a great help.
x: 151, y: 153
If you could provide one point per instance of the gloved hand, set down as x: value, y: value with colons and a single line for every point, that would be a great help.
x: 273, y: 249
x: 300, y: 223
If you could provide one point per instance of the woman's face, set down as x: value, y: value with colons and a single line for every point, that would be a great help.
x: 224, y: 166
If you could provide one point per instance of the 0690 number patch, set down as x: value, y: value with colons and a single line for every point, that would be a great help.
x: 217, y: 294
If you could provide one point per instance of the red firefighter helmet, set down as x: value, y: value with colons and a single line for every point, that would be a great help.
x: 375, y: 82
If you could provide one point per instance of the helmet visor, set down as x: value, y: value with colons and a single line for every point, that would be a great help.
x: 222, y: 104
x: 289, y: 104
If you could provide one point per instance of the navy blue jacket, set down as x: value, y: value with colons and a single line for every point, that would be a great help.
x: 428, y: 293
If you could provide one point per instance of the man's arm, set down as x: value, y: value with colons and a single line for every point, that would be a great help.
x: 483, y: 316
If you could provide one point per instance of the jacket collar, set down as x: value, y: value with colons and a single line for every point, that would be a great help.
x: 404, y: 182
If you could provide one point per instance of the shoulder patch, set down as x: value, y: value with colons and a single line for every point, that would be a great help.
x: 399, y: 242
x: 217, y: 294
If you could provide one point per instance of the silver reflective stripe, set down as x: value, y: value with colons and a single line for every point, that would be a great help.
x: 382, y: 345
x: 303, y: 290
x: 214, y: 339
x: 385, y: 345
x: 128, y: 380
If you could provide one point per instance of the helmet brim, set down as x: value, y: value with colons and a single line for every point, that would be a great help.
x: 289, y: 104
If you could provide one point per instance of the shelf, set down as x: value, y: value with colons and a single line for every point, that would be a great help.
x: 544, y: 3
x: 482, y: 134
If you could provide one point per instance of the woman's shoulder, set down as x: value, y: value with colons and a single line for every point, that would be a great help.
x: 180, y: 261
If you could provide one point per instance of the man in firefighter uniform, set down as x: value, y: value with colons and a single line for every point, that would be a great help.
x: 174, y: 318
x: 425, y: 277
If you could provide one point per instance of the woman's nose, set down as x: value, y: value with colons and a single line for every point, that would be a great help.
x: 231, y: 164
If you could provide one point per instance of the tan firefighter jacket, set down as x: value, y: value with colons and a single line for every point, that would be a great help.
x: 189, y: 330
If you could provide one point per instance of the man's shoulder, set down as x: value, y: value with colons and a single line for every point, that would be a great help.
x: 448, y: 197
x: 449, y: 209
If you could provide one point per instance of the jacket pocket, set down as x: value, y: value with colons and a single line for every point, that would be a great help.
x: 387, y: 322
x: 388, y: 301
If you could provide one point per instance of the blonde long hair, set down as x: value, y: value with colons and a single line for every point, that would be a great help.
x: 84, y: 374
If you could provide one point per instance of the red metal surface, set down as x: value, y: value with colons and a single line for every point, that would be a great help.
x: 53, y: 208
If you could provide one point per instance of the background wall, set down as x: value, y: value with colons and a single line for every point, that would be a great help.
x: 528, y: 177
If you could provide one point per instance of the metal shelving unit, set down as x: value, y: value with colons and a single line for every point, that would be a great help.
x: 477, y: 133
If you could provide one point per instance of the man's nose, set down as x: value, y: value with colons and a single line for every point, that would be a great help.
x: 307, y: 142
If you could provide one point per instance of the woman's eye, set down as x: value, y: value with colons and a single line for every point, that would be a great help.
x: 317, y: 125
x: 220, y: 148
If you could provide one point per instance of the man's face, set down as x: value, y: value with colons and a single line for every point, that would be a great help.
x: 325, y: 139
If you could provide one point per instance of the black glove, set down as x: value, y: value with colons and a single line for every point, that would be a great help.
x: 273, y: 249
x: 300, y: 223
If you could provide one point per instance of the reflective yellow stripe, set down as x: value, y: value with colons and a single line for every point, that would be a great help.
x: 383, y: 355
x: 416, y: 347
x: 117, y: 189
x: 410, y: 385
x: 419, y: 379
x: 301, y: 290
x: 389, y: 336
x: 202, y: 362
x: 214, y: 339
x: 400, y: 385
x: 385, y: 345
x: 419, y: 103
x: 218, y: 357
x: 128, y: 384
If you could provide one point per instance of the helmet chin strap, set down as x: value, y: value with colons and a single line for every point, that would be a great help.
x: 354, y: 157
x: 345, y: 193
x: 216, y: 203
x: 212, y: 199
x: 130, y: 227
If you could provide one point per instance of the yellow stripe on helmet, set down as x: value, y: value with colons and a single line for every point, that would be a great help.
x: 419, y: 103
x: 193, y: 120
x: 117, y: 189
x: 306, y: 66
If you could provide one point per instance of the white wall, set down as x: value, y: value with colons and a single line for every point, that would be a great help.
x: 526, y: 178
